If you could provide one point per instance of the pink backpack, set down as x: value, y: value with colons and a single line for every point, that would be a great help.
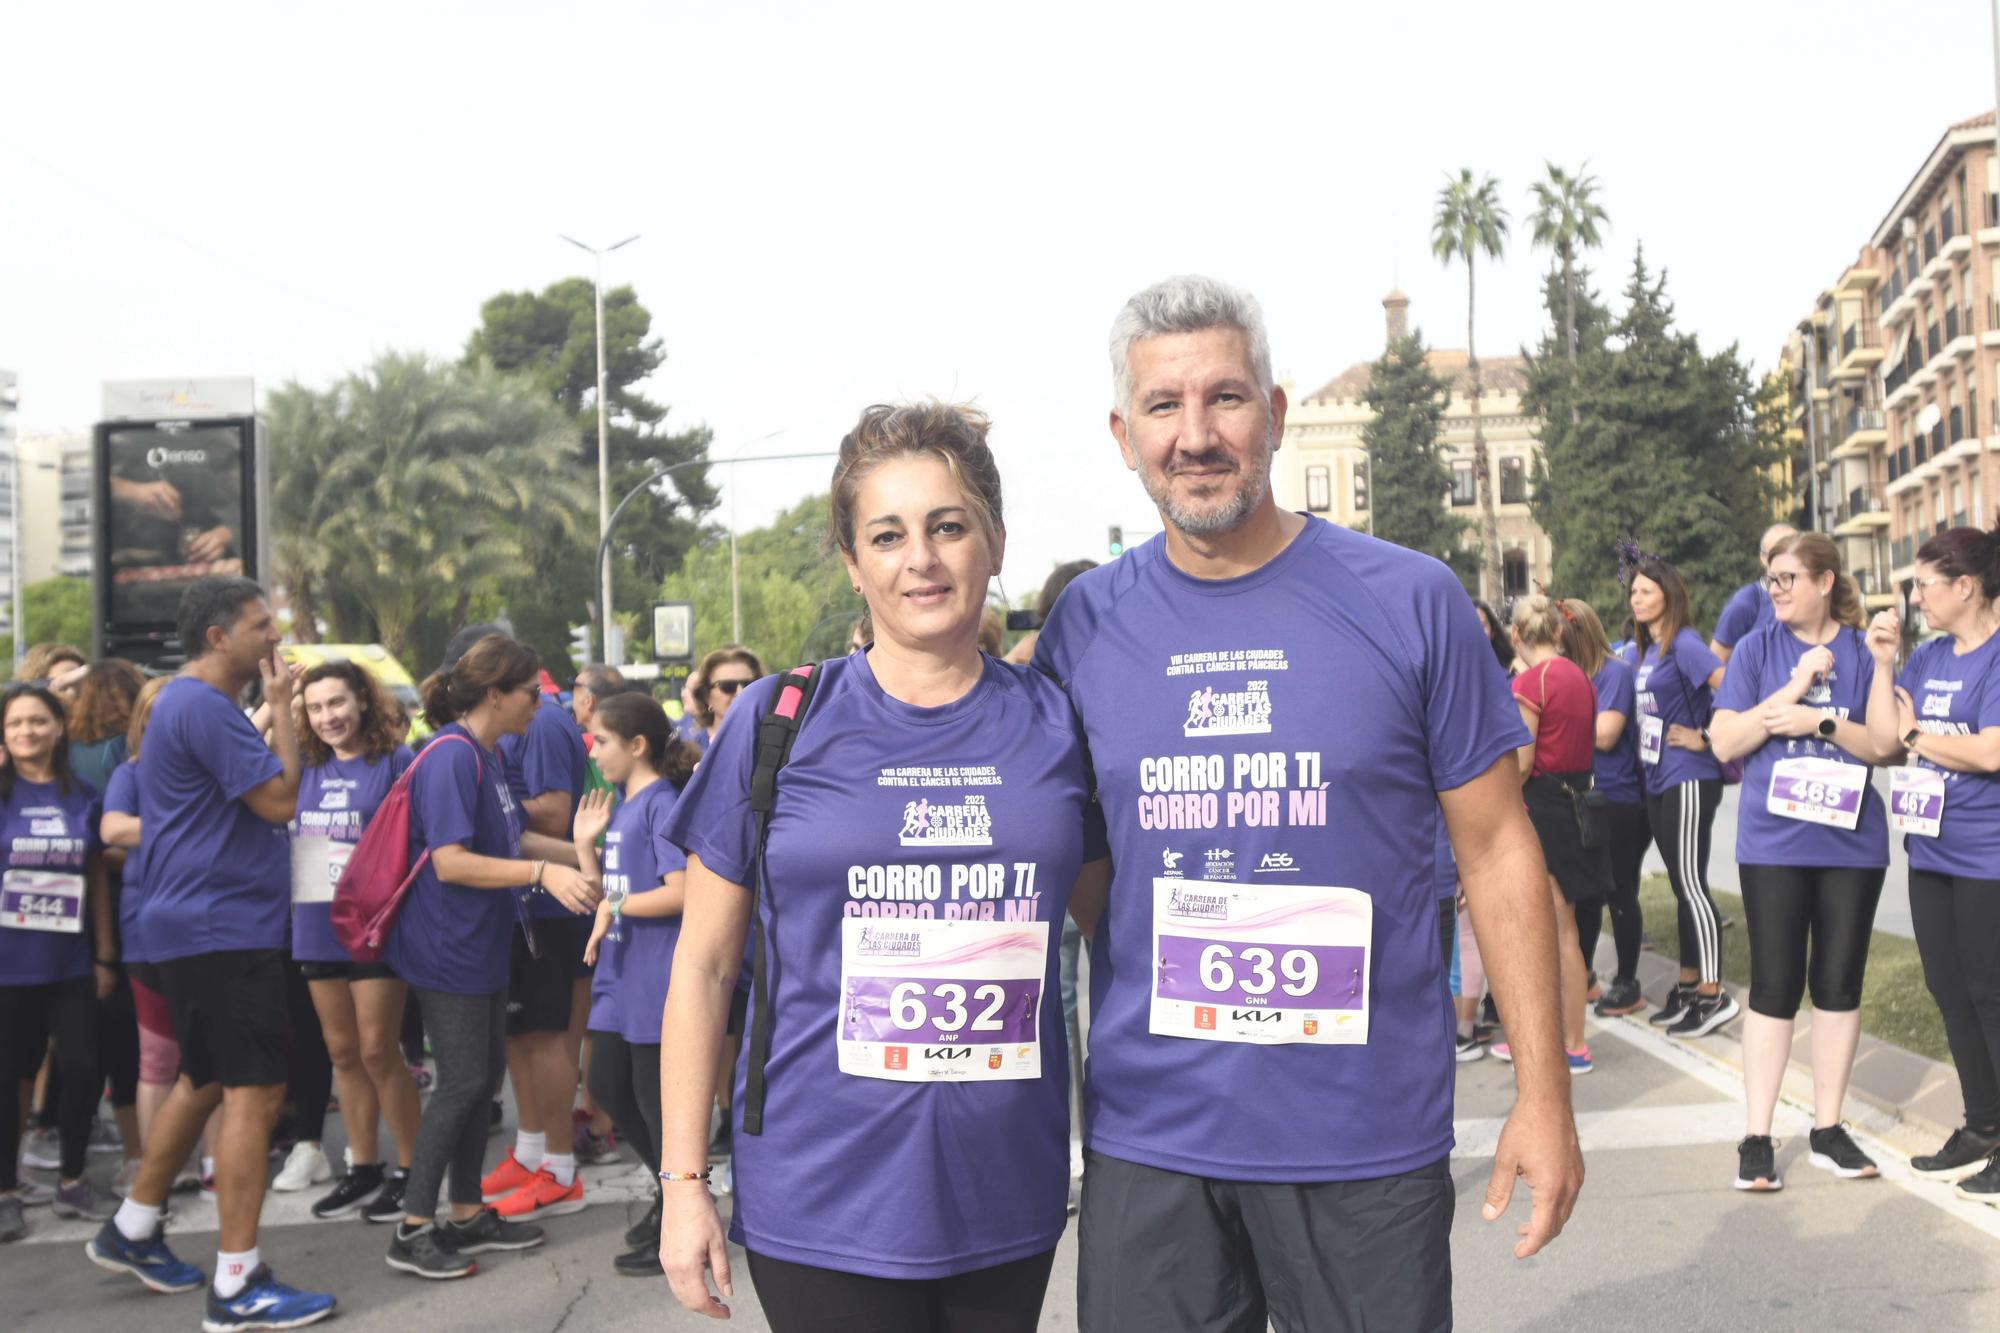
x: 379, y: 873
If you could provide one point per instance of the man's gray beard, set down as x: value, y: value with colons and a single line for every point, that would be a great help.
x: 1255, y: 486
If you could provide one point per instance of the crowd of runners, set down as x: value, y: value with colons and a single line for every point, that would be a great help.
x: 1291, y: 788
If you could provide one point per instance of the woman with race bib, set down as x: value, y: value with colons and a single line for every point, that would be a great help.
x: 931, y: 826
x: 1812, y: 842
x: 1676, y: 679
x: 58, y: 947
x: 1947, y: 799
x: 350, y: 758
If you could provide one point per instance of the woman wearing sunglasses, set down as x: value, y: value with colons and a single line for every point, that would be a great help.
x: 721, y: 675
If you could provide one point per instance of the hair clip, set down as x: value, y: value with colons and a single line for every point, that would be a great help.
x: 1629, y: 558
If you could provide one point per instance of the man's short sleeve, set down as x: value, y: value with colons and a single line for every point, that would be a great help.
x: 713, y: 819
x: 444, y: 793
x: 220, y: 739
x: 1469, y: 713
x: 551, y: 756
x: 1739, y: 617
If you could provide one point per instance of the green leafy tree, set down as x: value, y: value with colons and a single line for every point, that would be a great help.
x: 53, y: 611
x: 1648, y: 437
x: 1469, y: 221
x: 1407, y: 472
x: 797, y: 602
x: 551, y: 337
x: 1565, y: 220
x: 430, y: 487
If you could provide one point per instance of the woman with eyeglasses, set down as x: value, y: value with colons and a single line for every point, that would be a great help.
x: 58, y: 946
x: 1812, y: 840
x: 1947, y: 799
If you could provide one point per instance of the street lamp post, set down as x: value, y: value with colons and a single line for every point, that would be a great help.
x: 604, y: 540
x: 603, y: 445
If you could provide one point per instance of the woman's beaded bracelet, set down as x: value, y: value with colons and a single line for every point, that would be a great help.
x: 673, y: 1177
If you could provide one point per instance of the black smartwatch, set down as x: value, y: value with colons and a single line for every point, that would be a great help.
x: 1910, y: 738
x: 1826, y: 724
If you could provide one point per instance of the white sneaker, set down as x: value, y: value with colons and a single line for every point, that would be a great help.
x: 306, y: 1167
x: 104, y: 1137
x: 42, y: 1149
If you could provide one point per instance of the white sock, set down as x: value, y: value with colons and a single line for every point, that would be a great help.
x: 207, y: 1167
x: 232, y: 1271
x: 530, y: 1149
x: 562, y: 1167
x: 137, y: 1221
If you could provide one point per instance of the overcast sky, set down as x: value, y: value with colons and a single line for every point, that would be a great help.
x: 931, y: 199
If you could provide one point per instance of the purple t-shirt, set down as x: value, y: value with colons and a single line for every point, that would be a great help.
x: 450, y: 937
x: 336, y: 800
x: 1674, y: 689
x: 121, y: 794
x: 1958, y: 696
x: 1748, y: 610
x: 638, y: 854
x: 1761, y: 665
x: 1291, y: 727
x: 548, y: 756
x: 1617, y: 769
x: 217, y: 877
x: 987, y: 800
x: 43, y: 828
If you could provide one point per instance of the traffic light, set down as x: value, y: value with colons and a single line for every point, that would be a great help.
x: 579, y: 645
x: 1117, y: 543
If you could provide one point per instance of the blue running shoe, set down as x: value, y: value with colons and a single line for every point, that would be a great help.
x: 148, y: 1260
x: 265, y: 1302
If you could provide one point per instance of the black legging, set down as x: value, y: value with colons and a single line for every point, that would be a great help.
x: 311, y: 1074
x: 1682, y: 818
x: 625, y: 1080
x: 1957, y: 922
x: 1006, y: 1298
x: 1784, y: 907
x: 469, y: 1041
x: 1630, y: 837
x: 29, y: 1017
x: 117, y: 1056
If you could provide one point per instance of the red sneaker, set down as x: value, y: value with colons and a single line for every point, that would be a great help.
x: 504, y: 1179
x: 541, y: 1197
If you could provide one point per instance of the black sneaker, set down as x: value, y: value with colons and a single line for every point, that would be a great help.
x: 1981, y: 1188
x: 647, y: 1230
x: 1621, y: 996
x: 1489, y: 1012
x: 1965, y: 1153
x: 1469, y: 1049
x: 1757, y: 1165
x: 350, y: 1192
x: 487, y: 1230
x: 1833, y: 1149
x: 427, y: 1254
x: 1704, y: 1014
x: 641, y: 1261
x: 1672, y: 1007
x: 387, y: 1205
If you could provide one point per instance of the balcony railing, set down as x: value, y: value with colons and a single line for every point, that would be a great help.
x: 1902, y: 551
x: 1897, y: 377
x: 1863, y: 418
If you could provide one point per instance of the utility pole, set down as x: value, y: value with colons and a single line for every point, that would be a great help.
x: 603, y: 440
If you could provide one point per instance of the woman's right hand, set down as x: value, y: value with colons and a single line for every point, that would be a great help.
x: 569, y: 887
x: 692, y: 1248
x: 1885, y: 636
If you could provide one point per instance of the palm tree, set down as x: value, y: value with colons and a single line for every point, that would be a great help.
x: 1469, y: 220
x: 305, y: 439
x: 1565, y: 220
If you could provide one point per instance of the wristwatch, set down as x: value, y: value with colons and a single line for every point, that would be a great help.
x: 1826, y: 724
x: 1910, y: 737
x: 1707, y: 743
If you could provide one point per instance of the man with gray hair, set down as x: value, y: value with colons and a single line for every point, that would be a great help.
x: 1279, y: 712
x: 593, y: 683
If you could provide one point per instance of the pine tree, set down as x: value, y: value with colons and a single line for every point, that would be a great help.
x: 1663, y: 445
x: 1407, y: 473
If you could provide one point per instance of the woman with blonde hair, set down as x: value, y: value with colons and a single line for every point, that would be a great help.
x: 1812, y: 839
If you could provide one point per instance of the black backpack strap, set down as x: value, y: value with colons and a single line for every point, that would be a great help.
x: 777, y: 730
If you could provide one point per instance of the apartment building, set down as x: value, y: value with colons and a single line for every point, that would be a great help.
x: 1896, y: 370
x: 1322, y: 467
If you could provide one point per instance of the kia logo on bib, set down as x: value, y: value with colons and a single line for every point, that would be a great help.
x: 1256, y: 1016
x: 950, y: 1053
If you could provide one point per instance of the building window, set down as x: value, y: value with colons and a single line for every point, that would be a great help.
x: 1319, y: 488
x: 1514, y: 573
x: 1461, y: 483
x: 1513, y: 481
x: 1360, y: 486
